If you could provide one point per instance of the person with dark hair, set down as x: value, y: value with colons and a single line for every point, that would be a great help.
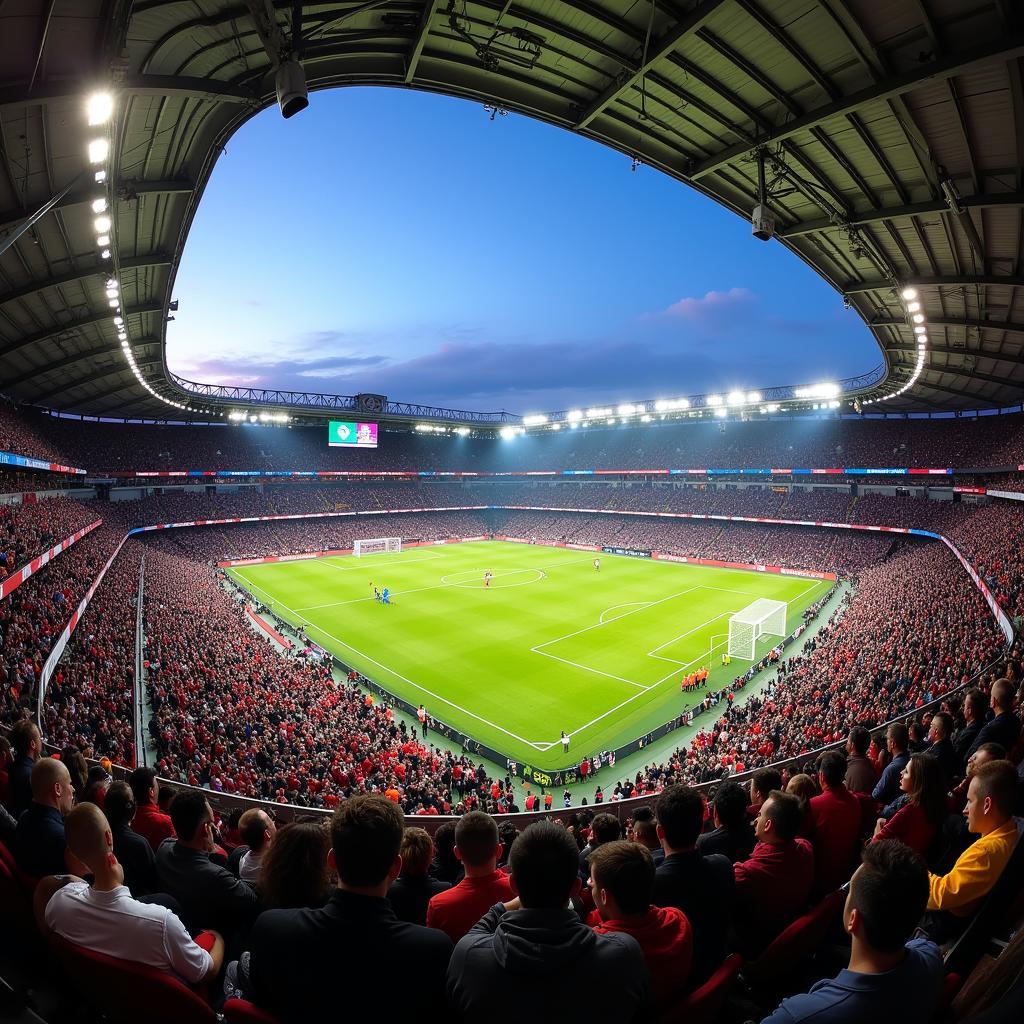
x: 733, y: 834
x: 134, y: 853
x: 27, y: 744
x: 835, y: 823
x: 919, y: 820
x: 860, y: 772
x: 974, y: 719
x: 1004, y: 726
x: 897, y: 738
x: 210, y: 895
x: 293, y: 873
x: 621, y: 883
x: 701, y: 887
x: 985, y: 753
x: 605, y: 828
x: 413, y: 889
x: 990, y: 804
x: 774, y: 886
x: 456, y: 910
x: 532, y: 957
x: 763, y: 782
x: 150, y: 822
x: 644, y: 831
x: 445, y: 865
x: 941, y: 747
x: 890, y: 976
x: 78, y: 768
x: 295, y: 954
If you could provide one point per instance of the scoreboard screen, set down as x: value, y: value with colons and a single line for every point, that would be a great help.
x: 345, y: 434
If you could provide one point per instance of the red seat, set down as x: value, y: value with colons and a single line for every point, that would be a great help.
x: 128, y: 992
x: 703, y: 1005
x: 241, y: 1011
x: 15, y: 899
x: 797, y: 942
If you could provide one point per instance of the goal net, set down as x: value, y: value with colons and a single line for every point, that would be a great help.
x: 376, y: 546
x: 762, y: 618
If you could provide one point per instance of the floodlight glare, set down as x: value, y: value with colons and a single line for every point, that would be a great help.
x: 920, y: 329
x: 98, y: 150
x: 913, y: 307
x: 507, y: 433
x: 103, y: 239
x: 99, y: 107
x: 734, y: 398
x: 919, y: 318
x: 114, y: 303
x: 574, y: 415
x: 111, y: 293
x: 909, y: 293
x: 102, y: 224
x: 714, y: 400
x: 753, y: 397
x: 99, y: 177
x: 535, y: 420
x: 105, y: 254
x: 99, y: 205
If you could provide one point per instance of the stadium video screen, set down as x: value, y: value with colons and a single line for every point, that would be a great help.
x: 344, y: 434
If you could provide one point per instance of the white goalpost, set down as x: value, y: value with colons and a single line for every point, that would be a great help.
x: 376, y: 546
x: 762, y: 618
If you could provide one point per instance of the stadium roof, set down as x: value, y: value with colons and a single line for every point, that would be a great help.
x: 892, y: 136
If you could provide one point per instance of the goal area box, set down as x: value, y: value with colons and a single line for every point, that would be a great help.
x: 764, y: 617
x: 376, y: 546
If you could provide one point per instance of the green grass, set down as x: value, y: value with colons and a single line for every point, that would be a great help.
x: 551, y: 645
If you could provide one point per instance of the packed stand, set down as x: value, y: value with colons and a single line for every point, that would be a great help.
x: 29, y: 528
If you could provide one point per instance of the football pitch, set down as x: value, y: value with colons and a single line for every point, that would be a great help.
x: 551, y: 645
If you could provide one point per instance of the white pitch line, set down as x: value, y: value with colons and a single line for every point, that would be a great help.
x: 667, y: 643
x: 628, y: 604
x: 598, y: 625
x: 364, y: 565
x: 587, y: 668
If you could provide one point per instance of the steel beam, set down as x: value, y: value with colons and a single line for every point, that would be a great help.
x: 134, y: 263
x: 941, y: 69
x: 660, y: 48
x: 955, y: 281
x: 951, y: 321
x: 75, y: 325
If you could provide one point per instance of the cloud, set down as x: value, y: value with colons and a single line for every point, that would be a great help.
x: 710, y: 306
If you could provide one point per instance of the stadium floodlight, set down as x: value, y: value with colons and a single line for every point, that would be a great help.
x: 113, y: 303
x: 920, y: 329
x: 99, y: 177
x: 99, y: 205
x: 913, y: 307
x: 507, y: 433
x: 462, y: 431
x: 826, y: 390
x: 626, y: 409
x: 98, y: 150
x: 735, y: 398
x: 645, y: 418
x: 556, y: 426
x: 909, y: 293
x: 103, y: 239
x: 574, y: 415
x: 534, y: 420
x: 290, y: 85
x: 574, y: 425
x: 111, y: 293
x: 753, y: 397
x: 102, y: 224
x: 714, y: 400
x: 598, y: 414
x: 721, y: 412
x: 918, y: 318
x: 105, y: 254
x: 98, y: 108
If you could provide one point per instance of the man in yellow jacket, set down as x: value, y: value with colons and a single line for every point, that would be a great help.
x: 955, y: 897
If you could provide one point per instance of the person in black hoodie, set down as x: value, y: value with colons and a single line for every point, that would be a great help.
x: 537, y: 947
x: 411, y: 891
x: 348, y: 959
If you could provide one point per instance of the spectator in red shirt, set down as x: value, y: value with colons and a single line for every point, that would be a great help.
x: 835, y: 825
x: 622, y: 884
x: 919, y: 819
x: 478, y: 848
x: 150, y: 822
x: 774, y: 886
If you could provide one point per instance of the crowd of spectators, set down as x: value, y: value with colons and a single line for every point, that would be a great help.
x: 760, y: 442
x: 29, y: 528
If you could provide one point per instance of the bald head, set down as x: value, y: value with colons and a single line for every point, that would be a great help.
x: 86, y: 831
x: 1002, y: 695
x: 51, y: 784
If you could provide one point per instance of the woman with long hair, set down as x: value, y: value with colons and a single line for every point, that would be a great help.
x: 918, y: 821
x: 293, y: 871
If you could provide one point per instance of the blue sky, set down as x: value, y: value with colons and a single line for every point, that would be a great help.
x: 403, y: 243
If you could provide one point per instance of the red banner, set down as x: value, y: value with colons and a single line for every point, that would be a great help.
x: 18, y: 577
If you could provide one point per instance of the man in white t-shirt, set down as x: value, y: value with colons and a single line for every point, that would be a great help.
x: 105, y: 918
x: 257, y: 830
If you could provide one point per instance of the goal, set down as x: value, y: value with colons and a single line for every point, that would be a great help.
x: 377, y: 546
x: 762, y: 618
